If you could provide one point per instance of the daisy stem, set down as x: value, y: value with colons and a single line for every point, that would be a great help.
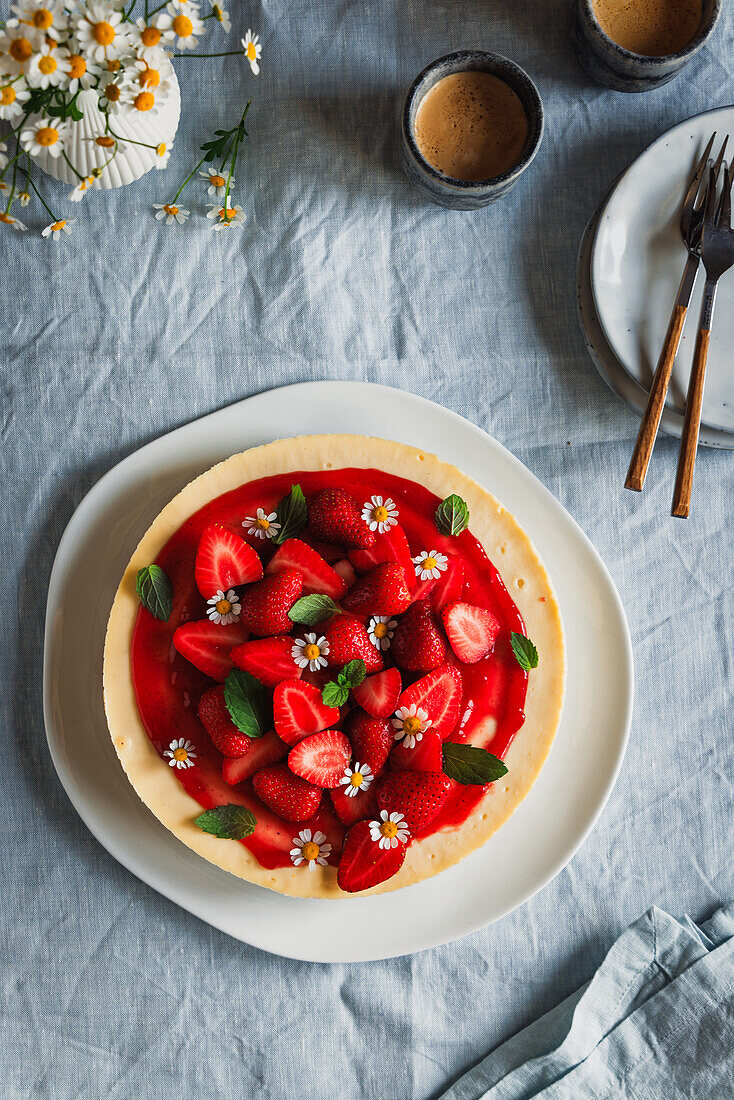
x: 188, y: 179
x: 227, y: 53
x: 11, y: 161
x: 156, y: 10
x: 233, y: 160
x: 78, y: 175
x: 43, y: 201
x: 128, y: 141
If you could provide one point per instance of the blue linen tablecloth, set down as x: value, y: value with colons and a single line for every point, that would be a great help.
x: 127, y: 328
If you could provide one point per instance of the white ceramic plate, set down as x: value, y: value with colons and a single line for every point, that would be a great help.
x: 521, y: 858
x: 637, y: 261
x: 606, y: 362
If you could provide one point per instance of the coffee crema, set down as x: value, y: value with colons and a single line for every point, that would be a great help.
x: 652, y: 28
x: 471, y: 126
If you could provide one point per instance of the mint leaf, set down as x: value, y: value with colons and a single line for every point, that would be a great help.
x: 292, y: 515
x: 154, y: 591
x: 468, y: 764
x: 310, y: 610
x: 525, y: 652
x: 248, y: 703
x: 452, y: 515
x: 353, y: 673
x: 230, y: 822
x: 334, y: 694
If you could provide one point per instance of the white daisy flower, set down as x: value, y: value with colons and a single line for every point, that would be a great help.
x: 217, y: 182
x: 45, y: 135
x: 429, y: 565
x: 12, y: 97
x: 224, y: 608
x: 310, y: 848
x: 391, y: 829
x: 139, y: 99
x: 381, y: 629
x: 380, y: 514
x: 181, y: 754
x: 82, y: 73
x: 24, y: 198
x: 46, y: 17
x: 410, y: 723
x: 310, y: 651
x: 253, y: 50
x: 48, y: 68
x: 226, y: 216
x: 80, y: 190
x: 147, y: 40
x: 356, y: 779
x: 17, y: 46
x: 163, y: 153
x: 112, y: 94
x: 222, y: 16
x: 8, y: 219
x: 55, y: 230
x: 170, y: 212
x: 150, y: 77
x: 101, y: 32
x: 260, y: 525
x: 181, y: 23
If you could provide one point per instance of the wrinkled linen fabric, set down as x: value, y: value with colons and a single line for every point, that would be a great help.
x: 127, y: 328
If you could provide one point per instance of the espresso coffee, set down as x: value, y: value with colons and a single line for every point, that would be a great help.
x: 653, y: 28
x: 471, y: 126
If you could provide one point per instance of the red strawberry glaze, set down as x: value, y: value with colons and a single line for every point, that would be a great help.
x: 168, y: 687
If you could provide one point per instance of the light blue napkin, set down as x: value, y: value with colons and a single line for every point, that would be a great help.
x: 656, y: 1020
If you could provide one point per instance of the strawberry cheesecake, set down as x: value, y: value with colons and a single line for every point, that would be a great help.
x: 333, y: 666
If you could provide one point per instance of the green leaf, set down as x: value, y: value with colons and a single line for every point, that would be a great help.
x: 452, y: 515
x: 524, y: 650
x: 353, y: 673
x: 248, y: 703
x: 230, y: 822
x: 154, y: 591
x: 292, y: 515
x: 468, y: 764
x: 310, y: 610
x: 335, y: 694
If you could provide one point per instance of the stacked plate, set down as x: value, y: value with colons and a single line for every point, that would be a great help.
x: 630, y: 263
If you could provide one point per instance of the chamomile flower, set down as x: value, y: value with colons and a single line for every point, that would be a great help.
x: 14, y: 223
x: 78, y: 193
x: 310, y: 848
x: 356, y: 779
x: 46, y: 17
x: 390, y: 829
x: 217, y: 182
x: 227, y: 216
x: 55, y: 230
x: 147, y: 39
x: 170, y: 212
x: 4, y: 188
x: 310, y: 652
x: 410, y: 723
x: 140, y: 99
x: 101, y: 32
x: 253, y: 50
x: 45, y: 135
x: 151, y: 77
x: 82, y: 73
x: 381, y: 630
x: 224, y: 607
x: 222, y: 16
x: 180, y: 753
x: 48, y: 68
x: 163, y: 154
x: 17, y: 46
x: 182, y: 24
x: 380, y: 514
x: 429, y: 565
x: 12, y: 97
x: 24, y: 198
x: 112, y: 94
x: 262, y: 525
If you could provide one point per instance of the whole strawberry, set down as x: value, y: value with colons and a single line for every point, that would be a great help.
x: 418, y: 796
x: 418, y: 644
x: 286, y: 794
x: 381, y: 591
x: 216, y: 720
x: 335, y: 517
x: 348, y: 639
x: 371, y: 738
x: 265, y: 605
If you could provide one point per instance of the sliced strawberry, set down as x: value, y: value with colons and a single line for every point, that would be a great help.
x: 216, y: 720
x: 352, y: 808
x: 265, y: 605
x: 325, y: 550
x: 371, y: 738
x: 425, y: 756
x: 390, y: 546
x: 364, y: 863
x: 321, y: 758
x: 424, y: 589
x: 348, y: 639
x: 378, y: 694
x: 208, y: 645
x: 439, y: 695
x: 381, y: 591
x: 418, y: 796
x: 299, y: 710
x: 418, y: 644
x: 471, y: 630
x: 346, y: 571
x: 317, y: 575
x: 450, y: 585
x: 286, y: 794
x: 268, y: 659
x: 335, y: 517
x: 263, y: 751
x: 224, y: 561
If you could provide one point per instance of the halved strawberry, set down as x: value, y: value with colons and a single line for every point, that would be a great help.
x: 286, y: 794
x: 265, y: 605
x: 268, y: 659
x: 208, y: 645
x: 348, y: 639
x: 439, y: 695
x: 418, y: 644
x: 418, y: 796
x: 299, y: 710
x: 364, y: 863
x: 263, y: 751
x: 371, y: 738
x: 216, y: 720
x: 317, y: 575
x: 352, y: 808
x: 390, y: 546
x: 321, y: 758
x: 334, y: 516
x: 224, y: 561
x: 450, y: 584
x: 381, y: 591
x: 378, y: 694
x: 471, y: 630
x: 424, y: 589
x: 425, y: 756
x: 346, y: 571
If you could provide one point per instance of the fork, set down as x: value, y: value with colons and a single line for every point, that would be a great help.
x: 691, y: 227
x: 717, y: 254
